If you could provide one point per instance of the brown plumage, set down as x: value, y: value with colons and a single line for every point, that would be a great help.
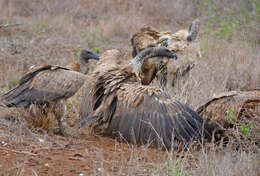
x: 120, y: 102
x: 148, y: 36
x: 144, y: 38
x: 230, y: 109
x: 44, y: 90
x: 181, y: 42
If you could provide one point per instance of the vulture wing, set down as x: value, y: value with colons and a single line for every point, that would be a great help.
x: 145, y: 115
x: 44, y: 84
x: 141, y: 114
x: 233, y: 104
x: 234, y: 109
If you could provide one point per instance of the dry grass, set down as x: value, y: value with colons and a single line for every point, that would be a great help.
x: 54, y: 31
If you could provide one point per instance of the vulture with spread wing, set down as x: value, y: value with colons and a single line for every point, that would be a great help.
x: 120, y: 102
x: 44, y: 90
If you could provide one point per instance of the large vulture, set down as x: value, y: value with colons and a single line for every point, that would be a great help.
x: 120, y: 102
x: 182, y: 42
x: 44, y: 90
x: 148, y: 36
x: 235, y: 109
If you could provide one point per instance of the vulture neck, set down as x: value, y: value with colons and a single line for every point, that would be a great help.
x: 143, y: 70
x: 146, y: 74
x: 137, y: 62
x: 75, y: 66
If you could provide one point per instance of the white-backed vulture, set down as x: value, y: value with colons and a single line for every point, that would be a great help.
x: 144, y: 38
x: 181, y: 42
x: 234, y: 109
x: 44, y: 90
x: 148, y: 36
x: 120, y: 102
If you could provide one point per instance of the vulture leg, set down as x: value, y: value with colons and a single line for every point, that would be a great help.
x: 58, y: 111
x: 61, y: 129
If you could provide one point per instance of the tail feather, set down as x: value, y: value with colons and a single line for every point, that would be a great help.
x: 16, y: 96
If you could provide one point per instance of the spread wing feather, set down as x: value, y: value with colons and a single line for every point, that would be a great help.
x: 142, y: 114
x: 44, y: 84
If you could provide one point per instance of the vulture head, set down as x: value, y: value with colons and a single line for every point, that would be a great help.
x: 84, y: 58
x: 193, y: 30
x: 148, y: 62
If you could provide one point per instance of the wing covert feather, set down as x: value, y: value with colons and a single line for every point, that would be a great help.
x: 44, y: 84
x: 141, y: 114
x: 155, y: 119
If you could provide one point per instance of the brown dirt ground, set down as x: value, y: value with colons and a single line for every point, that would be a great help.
x: 56, y: 155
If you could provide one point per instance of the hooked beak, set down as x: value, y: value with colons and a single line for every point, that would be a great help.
x: 85, y: 55
x: 174, y: 56
x: 95, y: 56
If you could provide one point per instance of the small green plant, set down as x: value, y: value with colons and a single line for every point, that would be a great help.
x: 226, y: 29
x: 68, y: 106
x: 1, y: 90
x: 42, y: 59
x: 42, y: 27
x: 155, y: 170
x: 179, y: 173
x: 246, y: 16
x: 7, y: 21
x: 258, y: 8
x: 230, y: 116
x: 244, y: 129
x: 12, y: 82
x: 97, y: 50
x: 73, y: 101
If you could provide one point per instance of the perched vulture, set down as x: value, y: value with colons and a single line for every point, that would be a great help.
x: 234, y: 109
x: 120, y: 102
x: 44, y: 90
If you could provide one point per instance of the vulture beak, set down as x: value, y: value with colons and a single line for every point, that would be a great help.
x: 170, y: 54
x: 174, y: 56
x: 94, y: 56
x: 85, y: 55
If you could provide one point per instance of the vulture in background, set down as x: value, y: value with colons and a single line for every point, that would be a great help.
x: 119, y: 101
x: 44, y: 90
x: 149, y: 36
x: 182, y: 42
x: 84, y: 61
x: 235, y: 109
